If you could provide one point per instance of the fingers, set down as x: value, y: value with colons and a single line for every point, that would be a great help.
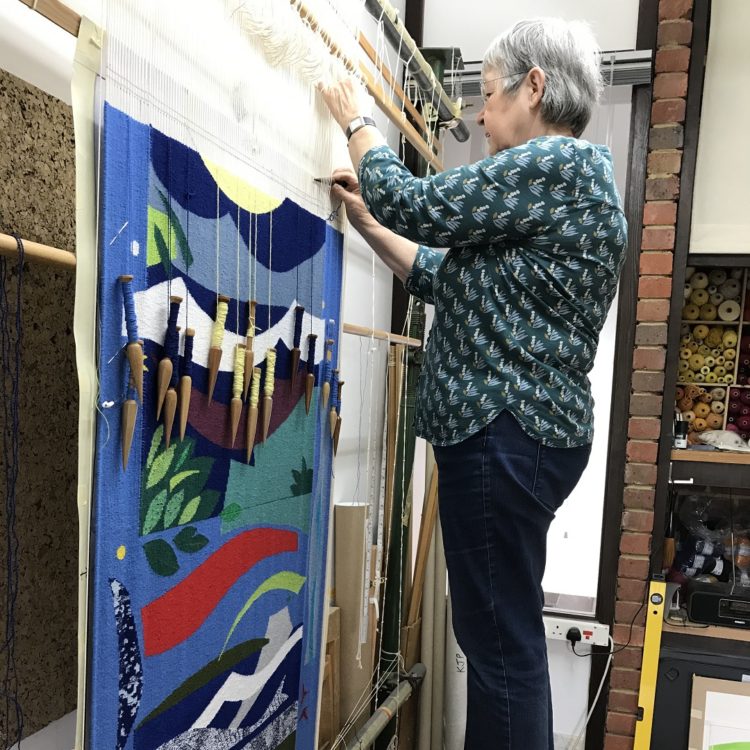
x: 345, y: 177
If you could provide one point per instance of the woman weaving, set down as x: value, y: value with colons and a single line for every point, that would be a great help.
x: 535, y: 238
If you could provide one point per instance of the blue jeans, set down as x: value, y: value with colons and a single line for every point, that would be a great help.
x: 498, y: 493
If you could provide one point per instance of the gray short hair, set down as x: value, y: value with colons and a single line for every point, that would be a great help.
x: 568, y: 54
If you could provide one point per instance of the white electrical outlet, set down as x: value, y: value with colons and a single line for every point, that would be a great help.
x: 592, y: 633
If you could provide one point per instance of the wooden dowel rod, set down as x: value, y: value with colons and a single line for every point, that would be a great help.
x: 61, y: 15
x: 380, y: 65
x: 36, y: 252
x: 376, y: 333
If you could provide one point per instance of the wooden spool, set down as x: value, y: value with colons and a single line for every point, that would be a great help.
x: 267, y: 409
x: 129, y: 413
x: 170, y: 409
x: 309, y: 387
x: 163, y: 376
x: 252, y: 428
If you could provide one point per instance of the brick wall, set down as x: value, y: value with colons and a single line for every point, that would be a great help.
x: 672, y: 58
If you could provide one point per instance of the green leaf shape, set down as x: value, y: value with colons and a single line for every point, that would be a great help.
x: 209, y: 500
x: 154, y: 513
x: 160, y: 467
x: 181, y: 477
x: 182, y: 242
x: 303, y: 480
x: 162, y: 248
x: 174, y: 506
x: 155, y: 443
x: 189, y: 540
x: 188, y: 512
x: 161, y: 557
x: 203, y: 676
x: 285, y: 580
x: 186, y: 450
x: 231, y: 513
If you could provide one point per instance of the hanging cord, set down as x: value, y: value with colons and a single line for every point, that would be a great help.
x: 11, y: 369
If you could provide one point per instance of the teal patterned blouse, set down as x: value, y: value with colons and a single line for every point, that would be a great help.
x: 536, y: 237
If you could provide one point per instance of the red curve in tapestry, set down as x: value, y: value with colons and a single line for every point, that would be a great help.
x: 178, y: 613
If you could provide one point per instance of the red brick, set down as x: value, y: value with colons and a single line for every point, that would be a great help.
x: 640, y: 474
x: 667, y: 110
x: 632, y: 656
x: 631, y: 590
x: 628, y: 679
x: 617, y: 742
x: 638, y: 520
x: 665, y: 136
x: 645, y: 405
x: 664, y: 162
x: 657, y: 263
x: 638, y: 497
x: 657, y: 238
x: 625, y: 701
x: 644, y: 428
x: 674, y: 32
x: 662, y: 188
x: 648, y: 381
x: 655, y: 310
x: 624, y: 613
x: 621, y: 633
x: 651, y: 334
x: 673, y: 59
x: 633, y: 567
x: 655, y: 286
x: 673, y: 9
x: 621, y: 724
x: 649, y: 358
x: 634, y: 543
x: 670, y: 85
x: 642, y: 450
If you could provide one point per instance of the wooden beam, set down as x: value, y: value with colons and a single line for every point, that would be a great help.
x: 61, y: 15
x: 51, y: 256
x: 376, y: 333
x: 380, y: 65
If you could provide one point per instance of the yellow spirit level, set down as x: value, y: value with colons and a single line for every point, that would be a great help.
x: 650, y: 663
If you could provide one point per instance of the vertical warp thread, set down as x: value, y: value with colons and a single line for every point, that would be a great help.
x: 11, y: 370
x: 299, y: 312
x: 311, y: 339
x: 172, y: 341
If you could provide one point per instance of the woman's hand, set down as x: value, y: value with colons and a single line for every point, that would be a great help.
x: 346, y: 100
x: 345, y: 188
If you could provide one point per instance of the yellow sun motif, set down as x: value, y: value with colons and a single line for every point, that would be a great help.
x: 121, y: 551
x: 241, y: 192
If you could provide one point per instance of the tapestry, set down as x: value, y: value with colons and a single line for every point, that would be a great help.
x: 207, y: 579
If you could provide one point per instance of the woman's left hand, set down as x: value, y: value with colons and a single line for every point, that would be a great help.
x: 346, y: 100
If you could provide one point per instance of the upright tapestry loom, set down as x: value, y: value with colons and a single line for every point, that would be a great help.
x: 219, y: 279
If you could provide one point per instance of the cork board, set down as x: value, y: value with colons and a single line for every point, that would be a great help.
x: 37, y: 200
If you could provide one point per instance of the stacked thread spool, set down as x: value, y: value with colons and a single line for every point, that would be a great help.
x: 743, y: 373
x: 703, y: 409
x: 714, y: 358
x: 707, y: 354
x: 713, y: 295
x: 738, y: 412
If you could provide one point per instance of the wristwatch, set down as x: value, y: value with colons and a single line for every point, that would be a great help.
x: 357, y: 124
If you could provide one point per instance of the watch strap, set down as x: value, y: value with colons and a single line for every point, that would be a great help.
x: 357, y: 124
